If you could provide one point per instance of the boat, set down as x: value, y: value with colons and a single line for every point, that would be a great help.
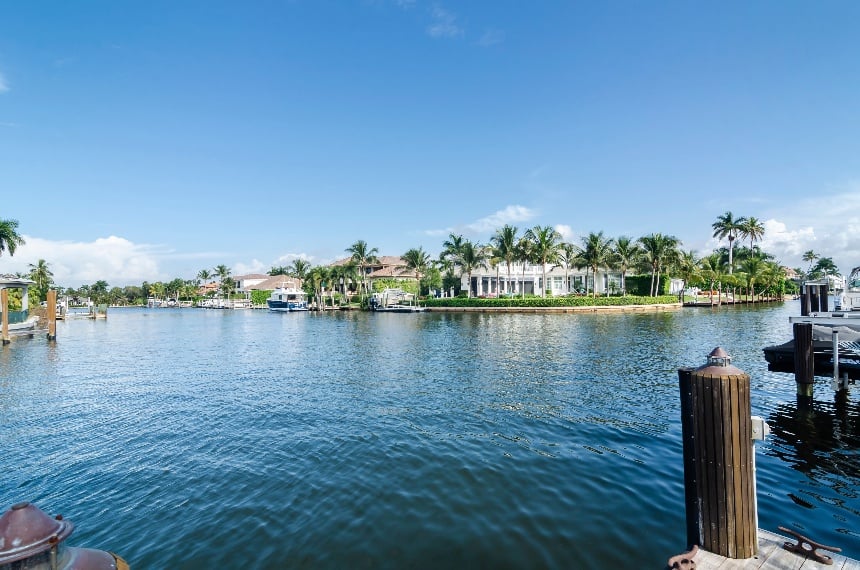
x: 394, y: 300
x: 849, y: 299
x: 287, y: 299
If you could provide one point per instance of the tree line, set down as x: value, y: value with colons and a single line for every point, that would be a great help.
x: 743, y: 266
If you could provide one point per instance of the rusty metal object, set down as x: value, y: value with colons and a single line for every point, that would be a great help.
x: 29, y: 538
x: 25, y: 530
x: 684, y: 561
x: 808, y: 548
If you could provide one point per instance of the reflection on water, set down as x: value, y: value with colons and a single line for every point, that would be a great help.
x: 194, y: 439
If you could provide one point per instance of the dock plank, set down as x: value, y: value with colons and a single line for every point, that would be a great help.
x: 771, y: 556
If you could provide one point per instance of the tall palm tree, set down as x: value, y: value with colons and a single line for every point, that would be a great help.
x: 544, y: 243
x: 9, y: 238
x: 300, y: 269
x: 451, y: 247
x: 660, y: 250
x: 278, y: 270
x: 524, y: 254
x: 727, y: 226
x: 753, y: 269
x: 567, y: 255
x: 753, y: 230
x: 596, y: 253
x: 42, y: 275
x: 627, y: 254
x: 505, y: 247
x: 809, y: 256
x: 226, y: 283
x: 471, y: 256
x: 418, y: 261
x: 203, y: 276
x: 362, y: 256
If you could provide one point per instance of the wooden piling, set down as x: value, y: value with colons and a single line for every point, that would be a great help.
x: 805, y: 301
x: 687, y: 420
x: 804, y: 363
x: 4, y: 305
x: 718, y: 450
x: 823, y: 301
x: 52, y: 314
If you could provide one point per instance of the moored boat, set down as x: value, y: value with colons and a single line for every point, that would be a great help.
x: 287, y: 299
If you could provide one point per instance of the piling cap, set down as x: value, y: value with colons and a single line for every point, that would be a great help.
x: 719, y: 364
x: 25, y: 530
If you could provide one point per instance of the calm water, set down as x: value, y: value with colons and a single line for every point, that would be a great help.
x: 229, y: 439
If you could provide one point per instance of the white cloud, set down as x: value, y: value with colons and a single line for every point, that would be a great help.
x: 3, y: 85
x: 489, y: 224
x: 567, y: 233
x: 255, y: 266
x: 491, y: 38
x: 828, y: 225
x: 444, y: 24
x: 288, y: 258
x: 113, y: 259
x: 510, y: 215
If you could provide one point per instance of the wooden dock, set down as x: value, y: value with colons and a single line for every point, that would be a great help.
x: 772, y: 556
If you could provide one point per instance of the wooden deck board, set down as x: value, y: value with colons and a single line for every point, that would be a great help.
x: 772, y: 556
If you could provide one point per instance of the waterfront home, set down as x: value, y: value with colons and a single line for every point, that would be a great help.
x: 386, y: 267
x: 495, y: 281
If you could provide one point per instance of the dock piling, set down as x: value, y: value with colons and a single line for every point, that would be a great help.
x: 52, y: 314
x: 804, y: 370
x: 4, y: 327
x: 719, y: 469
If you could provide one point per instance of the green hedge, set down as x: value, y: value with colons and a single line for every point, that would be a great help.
x: 641, y: 284
x: 259, y: 297
x: 551, y: 301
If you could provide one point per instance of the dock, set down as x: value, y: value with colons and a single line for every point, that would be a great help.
x: 772, y: 556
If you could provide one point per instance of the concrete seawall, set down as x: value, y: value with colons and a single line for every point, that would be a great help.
x: 589, y: 309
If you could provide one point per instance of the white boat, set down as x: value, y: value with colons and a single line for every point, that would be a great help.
x: 287, y: 299
x: 849, y: 299
x: 395, y: 301
x: 24, y: 327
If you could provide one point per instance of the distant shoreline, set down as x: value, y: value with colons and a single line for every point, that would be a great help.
x: 584, y: 309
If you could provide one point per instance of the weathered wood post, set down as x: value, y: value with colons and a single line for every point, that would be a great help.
x: 823, y: 301
x: 4, y: 305
x: 52, y: 314
x: 804, y: 359
x: 805, y: 301
x: 718, y: 457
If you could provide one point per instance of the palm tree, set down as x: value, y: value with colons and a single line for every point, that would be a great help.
x: 711, y: 269
x: 753, y: 268
x: 687, y: 267
x: 451, y: 247
x: 596, y: 253
x: 627, y: 254
x: 544, y: 247
x: 471, y: 256
x: 300, y: 269
x: 660, y: 250
x: 505, y: 247
x: 279, y: 270
x: 524, y: 254
x: 823, y: 268
x: 223, y: 274
x: 809, y: 256
x: 417, y: 260
x: 567, y: 255
x: 727, y: 226
x: 362, y: 256
x: 753, y: 229
x: 203, y: 276
x: 9, y: 238
x: 42, y: 275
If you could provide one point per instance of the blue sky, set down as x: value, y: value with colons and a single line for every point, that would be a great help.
x: 147, y: 141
